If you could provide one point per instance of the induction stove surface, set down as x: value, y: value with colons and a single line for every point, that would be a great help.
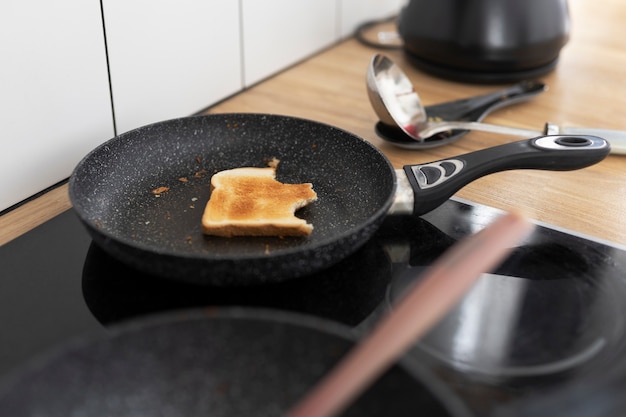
x: 553, y: 314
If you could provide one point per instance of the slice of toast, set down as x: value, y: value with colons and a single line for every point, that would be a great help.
x: 251, y: 202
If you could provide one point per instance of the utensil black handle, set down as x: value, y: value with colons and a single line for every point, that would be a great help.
x: 477, y: 107
x: 434, y: 183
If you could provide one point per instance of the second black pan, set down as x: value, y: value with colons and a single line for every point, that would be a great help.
x: 113, y: 191
x: 219, y: 362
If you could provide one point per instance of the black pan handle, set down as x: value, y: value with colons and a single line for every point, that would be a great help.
x: 434, y: 183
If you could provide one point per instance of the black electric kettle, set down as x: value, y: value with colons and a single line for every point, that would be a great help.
x: 488, y: 41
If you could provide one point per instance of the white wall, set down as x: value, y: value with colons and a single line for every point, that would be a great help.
x: 277, y: 33
x: 54, y: 101
x: 166, y: 59
x: 170, y: 58
x: 355, y: 12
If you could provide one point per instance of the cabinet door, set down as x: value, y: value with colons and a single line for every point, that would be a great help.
x: 355, y: 12
x: 279, y: 33
x: 170, y: 59
x: 55, y: 103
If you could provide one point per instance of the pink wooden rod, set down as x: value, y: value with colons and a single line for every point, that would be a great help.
x: 442, y: 286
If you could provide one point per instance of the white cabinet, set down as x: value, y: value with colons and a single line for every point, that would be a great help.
x: 355, y: 12
x: 55, y: 103
x: 279, y: 33
x: 170, y: 58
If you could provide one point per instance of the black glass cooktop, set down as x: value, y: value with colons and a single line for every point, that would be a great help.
x: 552, y: 315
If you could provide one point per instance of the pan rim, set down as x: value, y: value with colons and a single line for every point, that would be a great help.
x: 375, y: 217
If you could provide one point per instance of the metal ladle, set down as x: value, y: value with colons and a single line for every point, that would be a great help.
x: 471, y: 109
x: 396, y: 103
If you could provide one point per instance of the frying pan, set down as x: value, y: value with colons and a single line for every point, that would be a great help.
x: 112, y: 191
x: 231, y: 362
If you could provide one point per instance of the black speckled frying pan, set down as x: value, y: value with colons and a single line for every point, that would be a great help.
x: 212, y: 363
x: 113, y: 191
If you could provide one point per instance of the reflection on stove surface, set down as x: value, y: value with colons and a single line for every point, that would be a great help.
x: 518, y: 327
x: 348, y: 292
x: 553, y: 313
x: 546, y: 327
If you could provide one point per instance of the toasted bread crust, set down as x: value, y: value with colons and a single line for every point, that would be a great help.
x: 251, y: 202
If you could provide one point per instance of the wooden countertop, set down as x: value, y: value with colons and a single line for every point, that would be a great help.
x: 588, y: 88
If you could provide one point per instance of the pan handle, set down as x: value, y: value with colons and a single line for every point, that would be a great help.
x: 434, y: 183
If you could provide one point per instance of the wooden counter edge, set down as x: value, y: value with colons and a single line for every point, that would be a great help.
x: 33, y: 213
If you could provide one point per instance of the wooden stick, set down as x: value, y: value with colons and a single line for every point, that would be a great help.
x: 442, y: 286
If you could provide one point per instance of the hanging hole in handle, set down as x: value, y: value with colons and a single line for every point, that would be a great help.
x: 573, y: 141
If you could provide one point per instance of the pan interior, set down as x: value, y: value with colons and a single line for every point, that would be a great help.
x: 112, y: 189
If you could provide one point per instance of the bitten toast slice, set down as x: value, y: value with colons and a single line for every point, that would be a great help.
x: 251, y: 202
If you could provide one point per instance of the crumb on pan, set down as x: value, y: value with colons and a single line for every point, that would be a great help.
x: 160, y: 190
